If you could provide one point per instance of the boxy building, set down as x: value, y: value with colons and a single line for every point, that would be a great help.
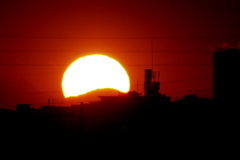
x: 226, y: 77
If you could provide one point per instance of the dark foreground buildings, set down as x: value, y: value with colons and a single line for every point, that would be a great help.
x: 226, y: 82
x: 122, y: 119
x: 226, y: 78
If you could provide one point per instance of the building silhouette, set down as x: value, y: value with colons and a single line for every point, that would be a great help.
x: 226, y: 93
x: 151, y: 88
x: 226, y: 79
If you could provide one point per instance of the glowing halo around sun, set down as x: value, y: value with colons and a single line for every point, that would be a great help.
x: 94, y: 72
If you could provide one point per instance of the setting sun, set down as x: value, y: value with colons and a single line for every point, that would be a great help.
x: 94, y: 72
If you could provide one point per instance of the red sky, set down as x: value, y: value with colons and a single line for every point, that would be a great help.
x: 39, y: 39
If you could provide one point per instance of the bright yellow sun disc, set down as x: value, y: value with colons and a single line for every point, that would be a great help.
x: 94, y: 72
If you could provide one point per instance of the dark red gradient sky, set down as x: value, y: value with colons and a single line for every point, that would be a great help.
x: 39, y: 39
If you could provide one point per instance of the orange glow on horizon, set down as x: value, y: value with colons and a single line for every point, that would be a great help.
x: 94, y: 72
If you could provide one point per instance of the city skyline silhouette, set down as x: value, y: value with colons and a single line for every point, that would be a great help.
x: 40, y: 39
x: 181, y: 58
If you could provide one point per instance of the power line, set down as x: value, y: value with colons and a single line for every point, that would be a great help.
x: 183, y: 80
x: 35, y: 74
x: 30, y: 65
x: 176, y: 92
x: 189, y: 91
x: 115, y: 37
x: 11, y: 94
x: 176, y: 81
x: 167, y: 65
x: 134, y: 51
x: 49, y: 65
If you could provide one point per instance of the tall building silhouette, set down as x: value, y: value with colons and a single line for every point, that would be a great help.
x: 151, y: 88
x: 226, y: 78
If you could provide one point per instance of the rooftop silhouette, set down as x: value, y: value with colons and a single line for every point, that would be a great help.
x: 123, y: 117
x: 130, y: 116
